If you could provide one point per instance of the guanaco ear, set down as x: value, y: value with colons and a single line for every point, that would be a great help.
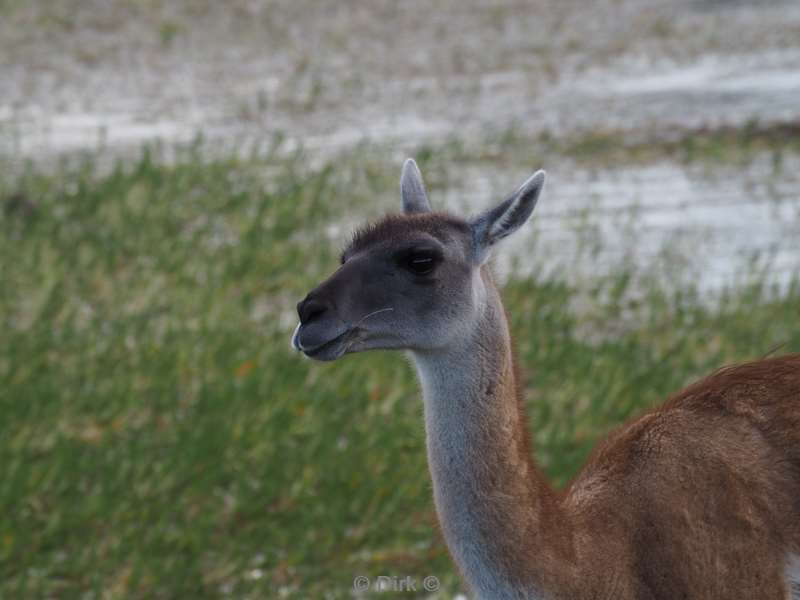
x: 504, y: 219
x: 412, y: 190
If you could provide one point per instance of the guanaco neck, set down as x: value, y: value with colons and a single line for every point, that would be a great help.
x: 500, y: 518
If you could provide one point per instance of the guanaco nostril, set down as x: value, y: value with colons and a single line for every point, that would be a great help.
x: 310, y: 308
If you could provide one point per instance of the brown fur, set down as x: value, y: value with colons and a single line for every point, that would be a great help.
x: 395, y: 228
x: 698, y: 498
x: 701, y: 494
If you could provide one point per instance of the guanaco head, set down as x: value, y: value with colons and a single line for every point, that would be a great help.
x: 410, y: 281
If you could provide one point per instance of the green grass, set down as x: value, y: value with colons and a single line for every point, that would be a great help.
x: 160, y: 440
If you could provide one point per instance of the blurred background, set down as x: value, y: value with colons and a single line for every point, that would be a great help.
x: 175, y: 175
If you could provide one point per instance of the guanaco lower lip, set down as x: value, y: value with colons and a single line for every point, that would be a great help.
x: 322, y: 351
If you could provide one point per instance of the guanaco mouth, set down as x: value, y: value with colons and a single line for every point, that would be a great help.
x: 320, y: 350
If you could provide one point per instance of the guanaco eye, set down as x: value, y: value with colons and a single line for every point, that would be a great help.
x: 421, y: 263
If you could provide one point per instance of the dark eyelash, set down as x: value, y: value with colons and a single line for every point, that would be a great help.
x: 420, y: 262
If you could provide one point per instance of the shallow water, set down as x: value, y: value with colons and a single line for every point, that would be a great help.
x: 328, y: 77
x: 702, y: 224
x: 78, y: 75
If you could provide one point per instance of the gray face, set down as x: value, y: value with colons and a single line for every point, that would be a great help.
x: 410, y: 281
x: 405, y: 283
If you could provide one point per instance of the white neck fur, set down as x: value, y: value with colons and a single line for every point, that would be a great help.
x: 463, y: 389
